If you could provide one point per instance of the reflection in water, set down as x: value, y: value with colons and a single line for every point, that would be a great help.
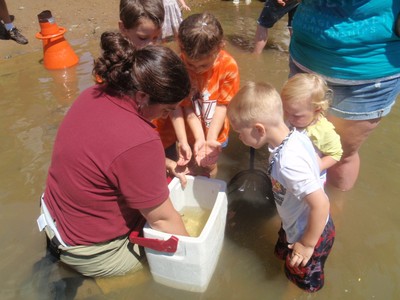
x: 65, y: 85
x: 364, y: 262
x: 31, y: 141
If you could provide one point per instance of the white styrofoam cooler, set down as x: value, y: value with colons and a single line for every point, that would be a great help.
x: 192, y: 265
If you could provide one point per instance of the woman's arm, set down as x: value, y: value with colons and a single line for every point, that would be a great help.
x: 139, y: 173
x: 165, y: 218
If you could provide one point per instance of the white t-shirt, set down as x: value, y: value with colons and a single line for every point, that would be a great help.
x: 294, y: 175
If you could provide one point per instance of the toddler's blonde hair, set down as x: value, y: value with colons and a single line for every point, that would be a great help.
x: 256, y: 102
x: 307, y: 87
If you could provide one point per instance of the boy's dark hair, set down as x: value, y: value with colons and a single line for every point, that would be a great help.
x: 154, y: 70
x: 130, y: 11
x: 199, y: 35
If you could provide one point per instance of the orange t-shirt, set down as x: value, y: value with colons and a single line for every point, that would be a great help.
x: 216, y: 86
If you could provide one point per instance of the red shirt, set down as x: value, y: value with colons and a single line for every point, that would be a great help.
x: 107, y: 163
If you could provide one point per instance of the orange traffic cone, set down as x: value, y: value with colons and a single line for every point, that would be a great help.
x: 58, y: 54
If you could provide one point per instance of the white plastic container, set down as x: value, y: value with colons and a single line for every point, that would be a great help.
x: 192, y: 265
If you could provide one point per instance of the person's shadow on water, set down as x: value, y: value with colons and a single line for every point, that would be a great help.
x: 51, y: 279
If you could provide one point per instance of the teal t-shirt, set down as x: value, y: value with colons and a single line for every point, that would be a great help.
x: 347, y: 39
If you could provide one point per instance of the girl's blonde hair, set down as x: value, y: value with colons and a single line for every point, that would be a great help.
x: 256, y: 102
x: 199, y: 35
x: 307, y: 87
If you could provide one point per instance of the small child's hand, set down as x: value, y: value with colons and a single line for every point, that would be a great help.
x: 198, y: 144
x: 300, y: 254
x: 208, y: 154
x: 184, y: 6
x: 281, y: 2
x: 184, y: 154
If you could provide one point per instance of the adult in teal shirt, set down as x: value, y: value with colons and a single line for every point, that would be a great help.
x: 355, y: 46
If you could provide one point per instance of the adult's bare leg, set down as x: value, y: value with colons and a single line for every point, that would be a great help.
x: 353, y: 134
x: 260, y: 39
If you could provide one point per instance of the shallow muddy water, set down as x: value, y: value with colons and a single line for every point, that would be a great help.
x: 365, y: 260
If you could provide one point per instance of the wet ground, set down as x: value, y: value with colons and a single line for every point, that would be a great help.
x: 364, y: 263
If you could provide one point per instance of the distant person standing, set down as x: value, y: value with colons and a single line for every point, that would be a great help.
x: 272, y: 12
x: 12, y: 32
x: 173, y: 17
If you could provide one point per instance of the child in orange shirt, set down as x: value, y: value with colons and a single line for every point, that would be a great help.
x: 200, y: 125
